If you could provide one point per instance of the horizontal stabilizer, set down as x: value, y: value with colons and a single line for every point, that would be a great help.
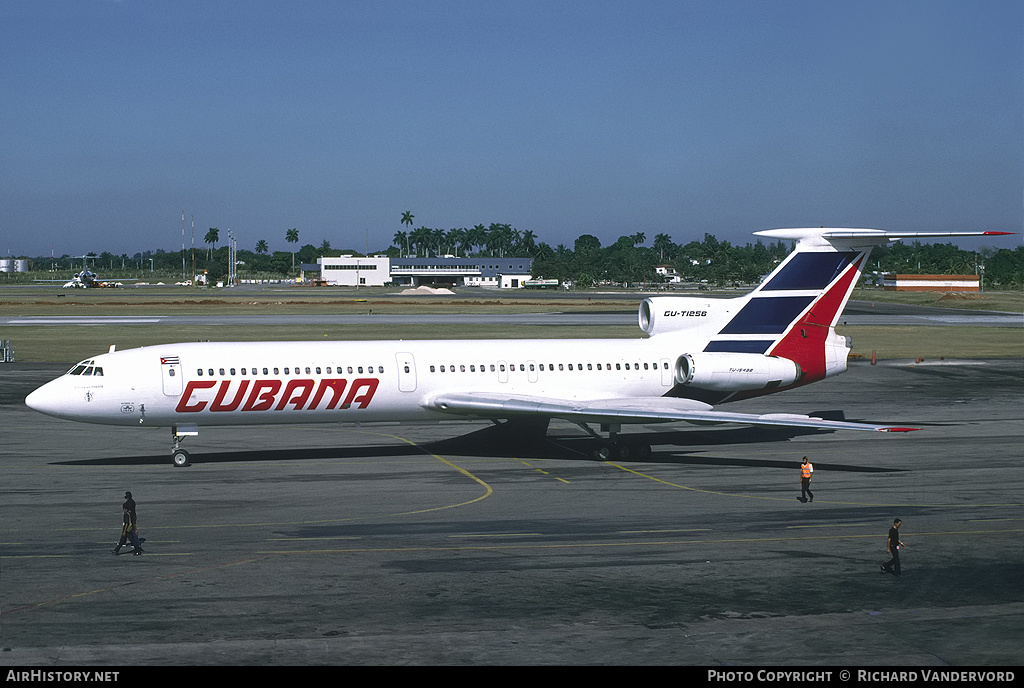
x: 862, y: 237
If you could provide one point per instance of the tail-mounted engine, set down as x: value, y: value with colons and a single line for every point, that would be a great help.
x: 675, y: 313
x: 731, y: 372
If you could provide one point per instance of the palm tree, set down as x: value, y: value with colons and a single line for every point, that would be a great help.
x: 527, y: 243
x: 662, y: 242
x: 437, y: 239
x: 420, y: 239
x: 212, y: 237
x: 407, y: 217
x: 262, y: 247
x: 477, y: 236
x: 292, y: 237
x: 456, y: 239
x: 464, y: 241
x: 501, y: 237
x: 511, y: 238
x: 399, y: 239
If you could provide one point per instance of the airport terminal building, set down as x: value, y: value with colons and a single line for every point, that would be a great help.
x: 351, y: 271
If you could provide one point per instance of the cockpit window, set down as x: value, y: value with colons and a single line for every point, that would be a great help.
x: 83, y: 368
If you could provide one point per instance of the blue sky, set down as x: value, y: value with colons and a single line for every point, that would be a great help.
x: 563, y: 118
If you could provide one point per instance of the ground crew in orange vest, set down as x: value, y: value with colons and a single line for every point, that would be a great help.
x: 806, y: 469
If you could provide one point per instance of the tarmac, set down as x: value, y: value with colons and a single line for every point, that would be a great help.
x: 438, y: 545
x: 855, y: 313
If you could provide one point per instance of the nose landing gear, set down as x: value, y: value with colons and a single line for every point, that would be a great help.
x: 180, y: 457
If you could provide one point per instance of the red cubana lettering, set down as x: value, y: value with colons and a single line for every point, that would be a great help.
x: 299, y: 400
x: 183, y: 403
x: 364, y: 383
x: 266, y: 395
x: 337, y: 387
x: 263, y: 394
x: 218, y: 402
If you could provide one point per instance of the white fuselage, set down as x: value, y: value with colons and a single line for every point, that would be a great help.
x: 241, y: 383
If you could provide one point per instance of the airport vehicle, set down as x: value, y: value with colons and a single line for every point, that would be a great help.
x: 698, y: 352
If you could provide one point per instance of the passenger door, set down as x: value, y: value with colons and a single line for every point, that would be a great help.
x: 406, y: 372
x: 170, y: 372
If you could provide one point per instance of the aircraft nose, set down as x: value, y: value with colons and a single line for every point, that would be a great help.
x: 46, y: 399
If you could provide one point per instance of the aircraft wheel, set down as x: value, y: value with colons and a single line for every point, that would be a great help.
x: 181, y: 458
x: 632, y: 451
x: 603, y: 452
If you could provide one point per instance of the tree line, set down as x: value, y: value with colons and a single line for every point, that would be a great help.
x: 721, y: 263
x: 628, y: 260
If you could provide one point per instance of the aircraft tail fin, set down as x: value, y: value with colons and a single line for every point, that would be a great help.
x: 793, y: 312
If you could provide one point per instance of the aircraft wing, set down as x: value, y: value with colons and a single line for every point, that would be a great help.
x: 626, y: 410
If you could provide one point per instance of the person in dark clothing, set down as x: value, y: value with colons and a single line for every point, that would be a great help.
x: 129, y: 528
x: 129, y: 504
x: 893, y: 544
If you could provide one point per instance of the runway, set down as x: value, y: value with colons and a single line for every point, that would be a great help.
x: 856, y: 313
x: 437, y: 545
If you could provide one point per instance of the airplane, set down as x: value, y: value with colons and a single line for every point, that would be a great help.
x: 87, y: 279
x: 698, y: 352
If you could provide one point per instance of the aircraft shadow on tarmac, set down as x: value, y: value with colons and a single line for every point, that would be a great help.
x: 681, y: 447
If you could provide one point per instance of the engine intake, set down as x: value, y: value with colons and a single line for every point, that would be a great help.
x: 732, y: 372
x: 673, y: 313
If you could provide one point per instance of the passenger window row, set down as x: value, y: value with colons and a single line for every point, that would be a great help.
x: 297, y: 370
x: 543, y: 366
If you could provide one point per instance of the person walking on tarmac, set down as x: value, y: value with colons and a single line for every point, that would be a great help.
x: 129, y: 504
x: 806, y: 470
x: 129, y: 530
x: 893, y: 545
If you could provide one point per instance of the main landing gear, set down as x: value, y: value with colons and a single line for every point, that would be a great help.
x: 615, y: 447
x: 180, y: 457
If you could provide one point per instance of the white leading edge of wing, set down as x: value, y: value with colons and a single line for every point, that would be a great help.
x: 628, y: 410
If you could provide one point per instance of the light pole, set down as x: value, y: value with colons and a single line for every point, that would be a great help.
x: 232, y: 258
